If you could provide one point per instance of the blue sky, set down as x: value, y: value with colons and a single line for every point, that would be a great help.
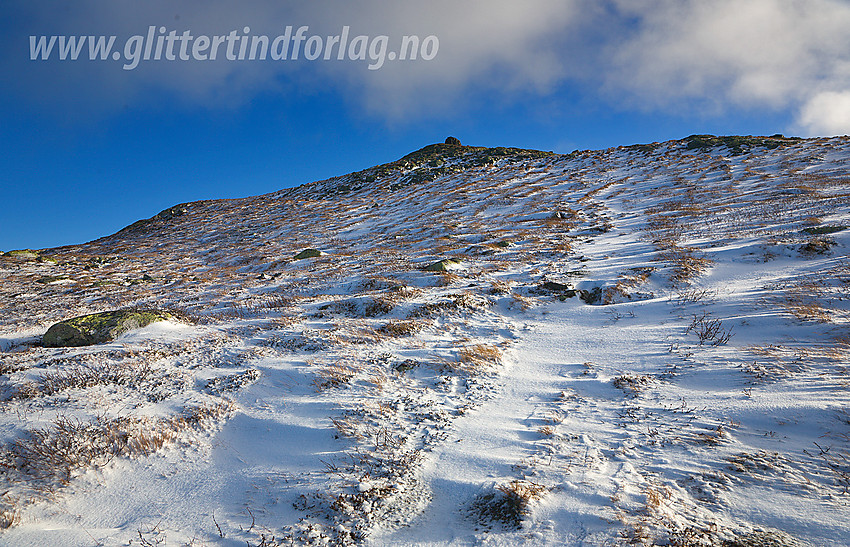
x: 88, y: 147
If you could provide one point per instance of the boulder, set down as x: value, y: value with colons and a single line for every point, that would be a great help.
x: 554, y: 286
x: 98, y: 328
x: 308, y: 253
x: 453, y: 141
x: 443, y: 265
x: 561, y: 290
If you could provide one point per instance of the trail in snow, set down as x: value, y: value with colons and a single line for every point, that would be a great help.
x: 559, y: 375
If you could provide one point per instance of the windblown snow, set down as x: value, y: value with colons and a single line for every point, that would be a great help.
x: 641, y: 345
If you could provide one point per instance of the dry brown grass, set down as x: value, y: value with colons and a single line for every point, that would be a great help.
x: 546, y: 430
x: 47, y: 459
x: 401, y: 327
x: 626, y: 281
x: 83, y: 376
x: 347, y: 426
x: 804, y: 308
x: 656, y: 498
x: 379, y: 306
x: 685, y: 262
x: 509, y: 505
x: 335, y: 375
x: 713, y: 437
x: 521, y: 302
x: 10, y: 514
x: 500, y: 288
x: 632, y: 384
x: 446, y: 279
x: 478, y: 358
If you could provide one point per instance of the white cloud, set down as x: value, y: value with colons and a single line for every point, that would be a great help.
x: 767, y: 53
x: 826, y: 113
x: 705, y: 56
x: 712, y: 56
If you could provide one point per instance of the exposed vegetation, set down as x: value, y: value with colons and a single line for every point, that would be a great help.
x: 738, y: 144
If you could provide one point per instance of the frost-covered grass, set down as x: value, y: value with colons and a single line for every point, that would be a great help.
x: 640, y: 345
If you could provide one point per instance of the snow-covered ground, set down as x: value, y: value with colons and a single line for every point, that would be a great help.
x: 641, y: 345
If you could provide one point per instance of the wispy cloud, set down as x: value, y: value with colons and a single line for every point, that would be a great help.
x: 706, y: 56
x: 717, y: 54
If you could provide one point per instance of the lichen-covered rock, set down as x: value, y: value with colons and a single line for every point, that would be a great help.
x: 98, y: 328
x: 443, y: 265
x: 308, y: 253
x: 453, y: 141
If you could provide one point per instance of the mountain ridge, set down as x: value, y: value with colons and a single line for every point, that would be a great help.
x: 438, y: 153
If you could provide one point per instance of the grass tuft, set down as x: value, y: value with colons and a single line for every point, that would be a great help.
x: 509, y: 505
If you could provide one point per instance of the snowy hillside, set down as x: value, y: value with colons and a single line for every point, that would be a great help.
x: 640, y: 345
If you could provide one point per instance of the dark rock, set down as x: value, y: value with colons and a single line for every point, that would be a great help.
x: 593, y: 296
x: 554, y: 286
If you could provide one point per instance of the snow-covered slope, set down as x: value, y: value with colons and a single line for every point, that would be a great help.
x: 640, y: 345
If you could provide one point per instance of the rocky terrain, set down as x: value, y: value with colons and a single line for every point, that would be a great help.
x: 640, y: 345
